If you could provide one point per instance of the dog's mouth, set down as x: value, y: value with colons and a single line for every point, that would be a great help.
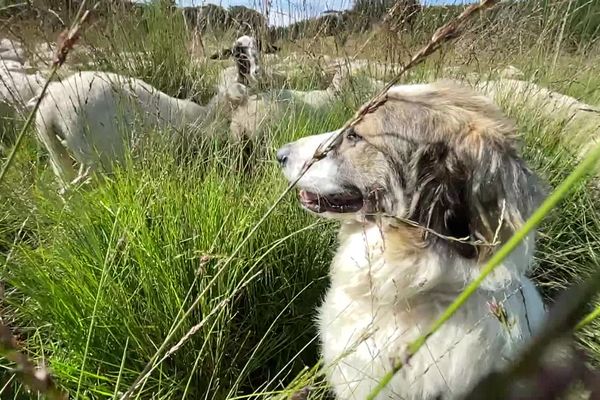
x: 340, y: 203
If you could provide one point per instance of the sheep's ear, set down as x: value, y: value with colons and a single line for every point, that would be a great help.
x: 222, y: 54
x: 237, y: 95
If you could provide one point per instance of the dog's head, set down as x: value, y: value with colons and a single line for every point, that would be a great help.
x: 437, y: 154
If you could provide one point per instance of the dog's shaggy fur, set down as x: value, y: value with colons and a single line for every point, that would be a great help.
x: 446, y: 159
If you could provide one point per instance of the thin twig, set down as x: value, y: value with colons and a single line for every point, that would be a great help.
x: 10, y: 6
x: 466, y: 239
x: 35, y: 378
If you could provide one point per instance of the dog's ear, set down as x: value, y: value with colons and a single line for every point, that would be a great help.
x: 222, y: 54
x: 503, y: 192
x: 482, y: 195
x: 440, y: 197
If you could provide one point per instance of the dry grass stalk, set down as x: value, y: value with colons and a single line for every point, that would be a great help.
x: 193, y: 330
x: 386, y: 20
x: 427, y: 230
x: 10, y: 6
x: 68, y: 38
x: 151, y: 365
x: 37, y: 379
x: 444, y: 34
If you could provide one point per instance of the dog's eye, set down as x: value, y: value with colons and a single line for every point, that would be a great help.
x: 352, y: 136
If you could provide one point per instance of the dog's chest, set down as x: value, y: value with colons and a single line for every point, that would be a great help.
x: 371, y: 314
x: 358, y: 322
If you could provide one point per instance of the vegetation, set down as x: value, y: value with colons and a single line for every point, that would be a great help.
x: 93, y: 287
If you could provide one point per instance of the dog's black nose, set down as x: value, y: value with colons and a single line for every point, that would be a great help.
x: 282, y: 155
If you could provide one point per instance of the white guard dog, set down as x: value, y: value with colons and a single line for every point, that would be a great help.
x: 423, y: 186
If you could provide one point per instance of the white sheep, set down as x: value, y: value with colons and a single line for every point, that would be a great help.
x: 537, y: 97
x: 582, y: 119
x: 11, y: 50
x: 12, y: 66
x: 90, y: 116
x: 7, y: 44
x: 17, y: 88
x: 511, y: 72
x: 247, y: 68
x: 251, y: 112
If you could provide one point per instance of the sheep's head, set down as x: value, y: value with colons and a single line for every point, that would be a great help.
x: 246, y: 55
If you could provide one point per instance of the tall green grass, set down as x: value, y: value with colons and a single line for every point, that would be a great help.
x: 100, y: 282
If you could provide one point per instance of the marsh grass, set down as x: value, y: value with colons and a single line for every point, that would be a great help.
x: 94, y: 286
